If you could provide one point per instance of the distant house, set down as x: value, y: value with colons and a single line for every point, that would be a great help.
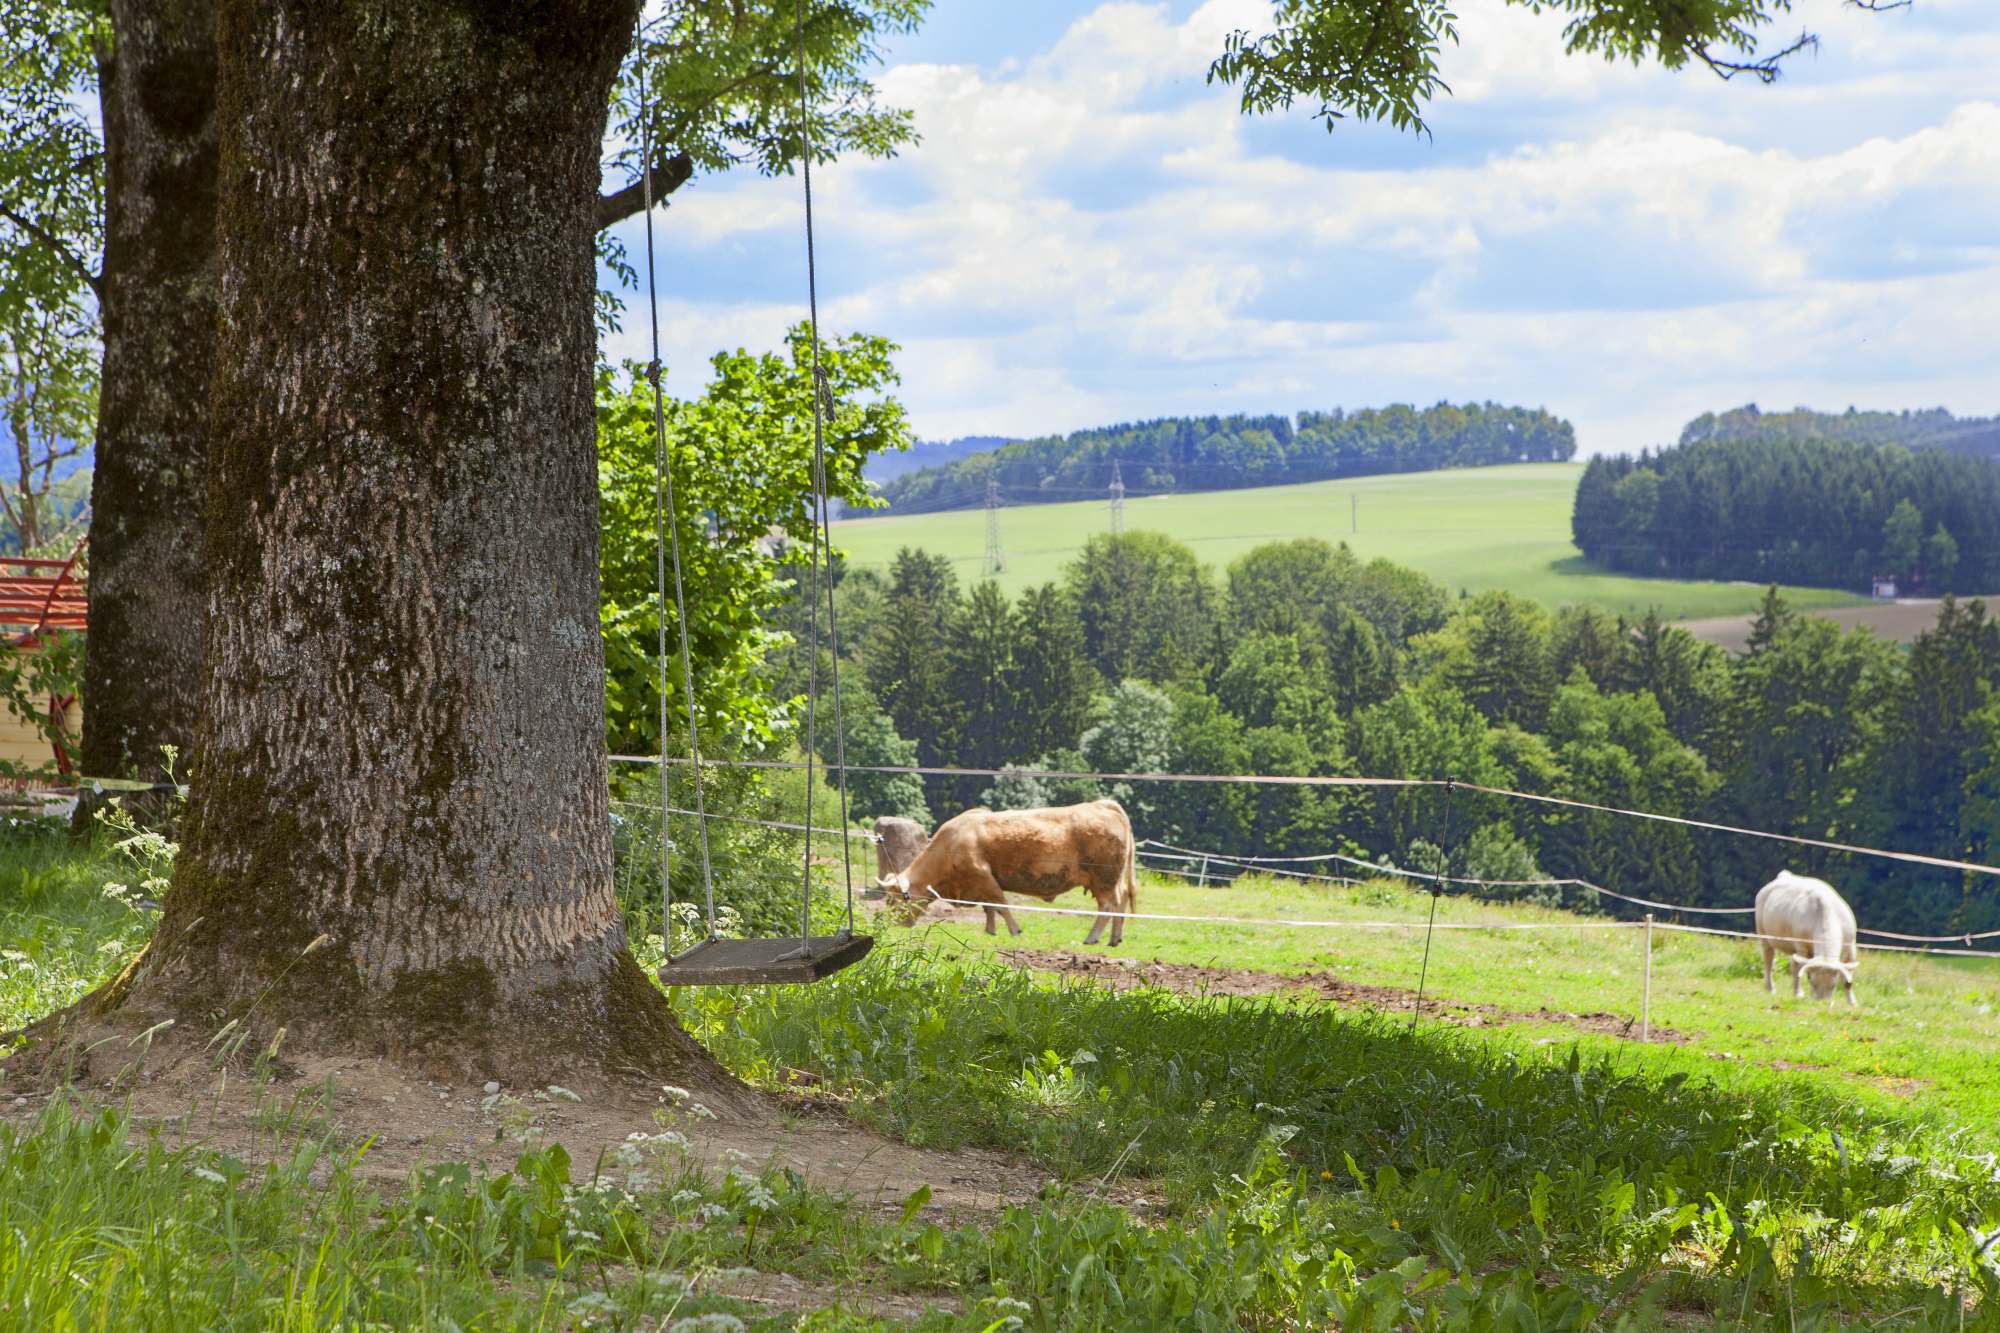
x: 1885, y: 588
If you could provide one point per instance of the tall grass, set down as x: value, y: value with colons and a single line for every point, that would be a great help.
x: 1479, y: 1158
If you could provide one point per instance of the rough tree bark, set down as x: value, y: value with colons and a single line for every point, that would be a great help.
x: 142, y: 657
x: 402, y: 737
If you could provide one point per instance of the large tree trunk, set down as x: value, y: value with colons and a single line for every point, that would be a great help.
x: 142, y: 658
x: 402, y: 738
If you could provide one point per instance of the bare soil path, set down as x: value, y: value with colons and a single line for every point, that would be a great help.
x: 1189, y: 978
x: 406, y: 1120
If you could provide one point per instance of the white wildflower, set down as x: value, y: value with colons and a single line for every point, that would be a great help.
x: 707, y: 1323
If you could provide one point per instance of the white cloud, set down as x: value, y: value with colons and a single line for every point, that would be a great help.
x: 1089, y: 233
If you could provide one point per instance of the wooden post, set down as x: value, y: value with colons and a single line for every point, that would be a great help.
x: 1203, y: 874
x: 1646, y: 991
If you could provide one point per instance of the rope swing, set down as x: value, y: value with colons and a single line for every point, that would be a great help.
x: 714, y: 961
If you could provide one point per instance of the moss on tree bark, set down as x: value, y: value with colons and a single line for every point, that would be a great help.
x: 398, y: 838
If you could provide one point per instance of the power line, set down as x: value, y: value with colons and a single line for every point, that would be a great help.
x: 1305, y: 780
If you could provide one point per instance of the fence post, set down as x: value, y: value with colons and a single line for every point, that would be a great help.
x: 1646, y: 992
x: 1203, y: 876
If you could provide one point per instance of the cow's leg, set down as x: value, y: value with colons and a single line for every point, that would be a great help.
x: 1798, y: 976
x: 990, y: 930
x: 1848, y: 983
x: 1770, y: 956
x: 1013, y: 926
x: 1108, y: 914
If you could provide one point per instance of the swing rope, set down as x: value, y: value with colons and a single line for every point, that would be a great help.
x: 667, y: 535
x: 822, y: 518
x: 667, y: 548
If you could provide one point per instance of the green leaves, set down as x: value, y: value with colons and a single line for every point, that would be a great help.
x: 51, y: 236
x: 1378, y: 59
x: 742, y: 459
x: 1371, y: 61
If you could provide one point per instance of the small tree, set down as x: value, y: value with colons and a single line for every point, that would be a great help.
x: 1054, y: 680
x: 1940, y: 558
x: 871, y: 742
x: 1148, y: 607
x: 980, y: 681
x: 1774, y: 620
x: 1132, y: 731
x: 1902, y: 539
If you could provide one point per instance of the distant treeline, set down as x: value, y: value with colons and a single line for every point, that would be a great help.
x: 928, y: 453
x: 1781, y: 509
x: 1225, y: 453
x: 1933, y: 428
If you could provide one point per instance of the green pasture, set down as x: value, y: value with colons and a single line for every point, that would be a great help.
x: 1470, y: 529
x: 1214, y: 1162
x: 1920, y: 1041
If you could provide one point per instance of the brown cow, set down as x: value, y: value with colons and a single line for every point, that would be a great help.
x: 982, y: 855
x: 897, y: 842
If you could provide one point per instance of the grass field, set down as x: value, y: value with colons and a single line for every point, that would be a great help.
x: 1470, y: 529
x: 1214, y: 1161
x: 1920, y: 1041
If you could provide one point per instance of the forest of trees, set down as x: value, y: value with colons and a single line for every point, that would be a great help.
x: 1300, y: 658
x: 1931, y: 428
x: 1780, y: 509
x: 1226, y: 453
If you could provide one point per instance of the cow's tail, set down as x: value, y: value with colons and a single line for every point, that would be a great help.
x: 1131, y: 894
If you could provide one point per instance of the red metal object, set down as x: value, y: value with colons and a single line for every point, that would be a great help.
x: 33, y: 602
x: 36, y: 596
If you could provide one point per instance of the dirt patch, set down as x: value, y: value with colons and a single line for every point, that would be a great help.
x: 781, y: 1293
x: 1192, y: 979
x: 407, y: 1120
x: 1893, y: 1085
x: 1897, y: 621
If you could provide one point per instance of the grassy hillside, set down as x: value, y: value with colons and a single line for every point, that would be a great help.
x: 1471, y: 529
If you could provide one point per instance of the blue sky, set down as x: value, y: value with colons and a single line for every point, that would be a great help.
x: 1089, y: 233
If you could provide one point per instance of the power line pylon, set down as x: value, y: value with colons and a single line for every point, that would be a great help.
x: 1117, y: 500
x: 995, y: 560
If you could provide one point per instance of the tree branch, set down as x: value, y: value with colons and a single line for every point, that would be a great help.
x: 669, y: 174
x: 63, y: 252
x: 1766, y: 68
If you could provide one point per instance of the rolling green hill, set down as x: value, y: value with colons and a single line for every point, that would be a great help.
x: 1471, y: 529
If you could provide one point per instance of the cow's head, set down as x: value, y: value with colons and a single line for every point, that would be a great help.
x: 903, y: 906
x: 1823, y: 974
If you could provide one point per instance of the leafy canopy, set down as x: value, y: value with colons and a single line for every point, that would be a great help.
x: 1378, y: 59
x: 724, y: 90
x: 742, y: 468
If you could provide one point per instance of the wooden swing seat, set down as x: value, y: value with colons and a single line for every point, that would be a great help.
x: 765, y: 962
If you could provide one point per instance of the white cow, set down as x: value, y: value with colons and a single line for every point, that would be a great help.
x: 1813, y: 924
